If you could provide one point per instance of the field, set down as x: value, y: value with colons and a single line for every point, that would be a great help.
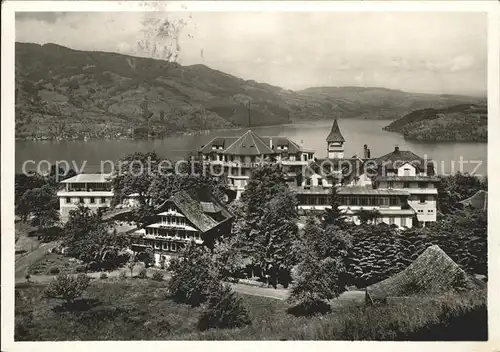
x: 140, y: 309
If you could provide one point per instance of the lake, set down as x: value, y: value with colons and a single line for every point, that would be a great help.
x: 312, y: 135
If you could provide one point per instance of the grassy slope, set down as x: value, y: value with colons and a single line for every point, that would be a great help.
x: 456, y: 123
x: 66, y: 92
x: 136, y: 309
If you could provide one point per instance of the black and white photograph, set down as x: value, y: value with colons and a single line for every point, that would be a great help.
x: 195, y: 172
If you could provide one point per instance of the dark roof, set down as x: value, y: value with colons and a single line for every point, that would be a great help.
x: 350, y: 167
x: 228, y: 144
x: 223, y: 142
x: 433, y: 272
x: 335, y: 135
x: 249, y: 144
x: 478, y: 200
x: 293, y: 147
x: 195, y: 206
x: 398, y: 157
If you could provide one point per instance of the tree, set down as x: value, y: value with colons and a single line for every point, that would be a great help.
x: 265, y: 183
x: 266, y: 217
x: 91, y: 240
x: 42, y: 203
x: 193, y: 274
x: 25, y: 182
x: 146, y: 256
x: 277, y: 230
x: 317, y: 281
x: 67, y: 287
x: 135, y: 175
x: 131, y: 265
x: 457, y: 187
x: 333, y: 214
x: 224, y: 310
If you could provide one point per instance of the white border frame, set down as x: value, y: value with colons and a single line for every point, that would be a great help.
x: 8, y: 145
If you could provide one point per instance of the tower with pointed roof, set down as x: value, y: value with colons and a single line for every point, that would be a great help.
x: 335, y: 142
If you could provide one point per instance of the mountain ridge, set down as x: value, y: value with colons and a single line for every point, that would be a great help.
x: 463, y: 122
x: 66, y: 93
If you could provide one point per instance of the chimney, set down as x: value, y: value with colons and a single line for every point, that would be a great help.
x: 396, y: 148
x: 271, y: 142
x: 366, y: 152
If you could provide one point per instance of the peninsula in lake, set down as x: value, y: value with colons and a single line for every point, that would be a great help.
x: 70, y: 94
x: 458, y: 123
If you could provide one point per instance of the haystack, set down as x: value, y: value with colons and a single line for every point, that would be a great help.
x: 432, y: 273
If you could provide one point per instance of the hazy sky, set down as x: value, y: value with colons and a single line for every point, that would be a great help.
x: 418, y: 52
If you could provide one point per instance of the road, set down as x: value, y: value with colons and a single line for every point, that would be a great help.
x: 24, y: 262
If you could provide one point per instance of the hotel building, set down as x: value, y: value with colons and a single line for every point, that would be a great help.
x: 90, y: 190
x: 184, y: 217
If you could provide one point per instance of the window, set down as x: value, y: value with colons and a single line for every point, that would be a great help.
x: 165, y: 246
x: 406, y: 172
x: 384, y: 201
x: 430, y: 211
x: 394, y: 201
x: 422, y: 199
x: 403, y: 222
x: 103, y: 200
x: 406, y: 184
x: 420, y: 211
x: 68, y: 200
x: 157, y: 245
x: 391, y: 221
x: 422, y: 185
x: 390, y: 184
x: 173, y: 247
x: 92, y: 200
x: 81, y: 200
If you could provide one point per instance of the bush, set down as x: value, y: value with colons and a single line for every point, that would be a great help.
x: 223, y: 311
x: 81, y: 269
x: 67, y: 287
x: 158, y: 276
x: 123, y: 275
x: 103, y: 276
x: 54, y: 270
x: 317, y: 281
x: 142, y: 274
x: 192, y: 275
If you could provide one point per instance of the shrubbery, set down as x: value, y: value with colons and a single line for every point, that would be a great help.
x: 223, y: 310
x: 123, y: 275
x: 67, y: 287
x: 54, y: 270
x: 193, y: 273
x: 103, y: 276
x: 158, y: 276
x: 143, y: 274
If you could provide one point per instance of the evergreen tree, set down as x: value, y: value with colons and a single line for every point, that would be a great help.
x: 333, y: 214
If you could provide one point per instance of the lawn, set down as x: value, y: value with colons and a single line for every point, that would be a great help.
x: 53, y: 263
x: 139, y: 309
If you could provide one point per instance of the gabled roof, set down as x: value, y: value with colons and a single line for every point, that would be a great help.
x: 335, y: 135
x: 398, y: 158
x: 195, y: 206
x: 249, y: 144
x: 433, y: 272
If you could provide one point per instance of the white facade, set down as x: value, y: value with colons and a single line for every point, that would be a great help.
x: 422, y: 189
x: 90, y: 190
x: 335, y: 150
